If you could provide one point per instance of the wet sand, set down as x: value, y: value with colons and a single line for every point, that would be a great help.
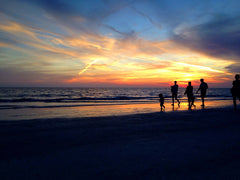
x: 102, y: 110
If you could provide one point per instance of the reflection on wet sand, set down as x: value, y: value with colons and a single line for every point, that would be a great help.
x: 103, y: 110
x: 115, y: 110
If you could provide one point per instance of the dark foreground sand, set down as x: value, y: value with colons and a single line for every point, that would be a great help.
x: 200, y: 144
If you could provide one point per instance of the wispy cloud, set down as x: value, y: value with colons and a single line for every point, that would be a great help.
x: 79, y: 44
x: 158, y: 25
x: 88, y: 66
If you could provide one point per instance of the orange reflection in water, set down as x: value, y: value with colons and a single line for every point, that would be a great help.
x: 116, y: 110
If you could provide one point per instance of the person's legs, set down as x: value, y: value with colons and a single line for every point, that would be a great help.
x: 234, y: 102
x: 189, y: 102
x: 203, y: 94
x: 177, y: 99
x: 162, y: 106
x: 202, y: 101
x: 193, y: 102
x: 173, y: 99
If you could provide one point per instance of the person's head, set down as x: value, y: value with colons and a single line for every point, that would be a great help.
x: 175, y: 82
x: 201, y: 80
x: 160, y: 95
x: 189, y: 83
x: 237, y: 76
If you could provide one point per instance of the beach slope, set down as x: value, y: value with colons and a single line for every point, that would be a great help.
x: 200, y: 144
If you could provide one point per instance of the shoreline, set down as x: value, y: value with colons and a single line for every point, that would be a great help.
x: 102, y: 110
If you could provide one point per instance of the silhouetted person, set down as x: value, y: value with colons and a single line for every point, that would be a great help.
x: 161, y: 101
x: 203, y: 89
x: 174, y: 90
x: 236, y: 90
x: 189, y: 92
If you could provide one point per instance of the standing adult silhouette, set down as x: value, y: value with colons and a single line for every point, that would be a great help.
x: 174, y: 90
x: 203, y: 89
x: 189, y: 92
x: 236, y: 90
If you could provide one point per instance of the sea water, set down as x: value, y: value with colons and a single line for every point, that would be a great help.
x: 30, y: 103
x: 63, y: 97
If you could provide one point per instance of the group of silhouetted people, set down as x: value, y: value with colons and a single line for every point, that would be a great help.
x: 235, y: 91
x: 189, y: 92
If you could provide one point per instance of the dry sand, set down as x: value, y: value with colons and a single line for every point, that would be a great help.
x: 200, y: 144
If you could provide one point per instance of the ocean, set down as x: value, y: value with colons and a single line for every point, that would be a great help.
x: 21, y: 103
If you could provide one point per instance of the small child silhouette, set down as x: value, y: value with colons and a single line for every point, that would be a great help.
x: 161, y: 101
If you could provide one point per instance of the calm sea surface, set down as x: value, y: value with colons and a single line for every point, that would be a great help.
x: 45, y: 103
x: 12, y: 98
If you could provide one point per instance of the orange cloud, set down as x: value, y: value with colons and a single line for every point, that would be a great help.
x: 90, y: 58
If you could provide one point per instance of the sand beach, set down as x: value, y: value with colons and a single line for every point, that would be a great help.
x: 197, y: 144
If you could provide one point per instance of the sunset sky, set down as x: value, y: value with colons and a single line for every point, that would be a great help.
x: 119, y: 43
